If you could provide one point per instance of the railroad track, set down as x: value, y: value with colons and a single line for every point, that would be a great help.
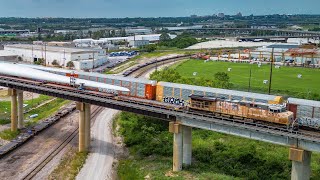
x: 139, y: 70
x: 57, y: 149
x: 143, y: 70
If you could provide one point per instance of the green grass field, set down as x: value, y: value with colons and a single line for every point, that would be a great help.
x: 284, y: 79
x: 5, y: 106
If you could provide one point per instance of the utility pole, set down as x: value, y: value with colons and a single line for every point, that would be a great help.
x: 271, y: 67
x: 45, y: 54
x: 92, y: 61
x: 249, y: 88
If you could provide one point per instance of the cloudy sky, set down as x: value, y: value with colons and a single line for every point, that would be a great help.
x: 152, y: 8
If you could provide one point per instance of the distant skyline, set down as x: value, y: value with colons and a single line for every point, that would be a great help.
x: 152, y: 8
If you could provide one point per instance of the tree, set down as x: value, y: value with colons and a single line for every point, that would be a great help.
x: 123, y: 33
x: 55, y: 63
x: 164, y: 37
x: 90, y: 34
x: 40, y: 61
x: 149, y: 48
x: 70, y: 64
x: 222, y: 80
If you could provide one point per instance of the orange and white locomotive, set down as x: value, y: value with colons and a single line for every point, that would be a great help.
x: 253, y: 111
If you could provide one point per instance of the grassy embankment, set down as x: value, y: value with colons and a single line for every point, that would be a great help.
x: 70, y: 165
x: 43, y: 112
x: 5, y: 107
x: 215, y: 155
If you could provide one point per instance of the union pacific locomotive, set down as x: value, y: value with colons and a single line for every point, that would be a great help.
x: 244, y: 110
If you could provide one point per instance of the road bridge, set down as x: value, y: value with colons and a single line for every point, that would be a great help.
x: 181, y: 121
x: 252, y: 29
x: 262, y: 33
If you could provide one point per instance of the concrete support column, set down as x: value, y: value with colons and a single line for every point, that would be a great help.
x: 81, y: 108
x: 176, y: 129
x: 14, y: 113
x: 87, y: 111
x: 187, y: 145
x: 20, y: 109
x: 301, y: 162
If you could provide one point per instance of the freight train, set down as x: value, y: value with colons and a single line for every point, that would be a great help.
x: 236, y: 104
x: 31, y: 132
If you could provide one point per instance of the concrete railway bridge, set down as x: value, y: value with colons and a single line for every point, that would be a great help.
x: 181, y: 123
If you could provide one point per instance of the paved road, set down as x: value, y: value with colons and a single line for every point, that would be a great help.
x: 99, y: 163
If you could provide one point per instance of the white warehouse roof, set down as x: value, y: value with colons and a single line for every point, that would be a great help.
x: 149, y: 37
x: 50, y: 48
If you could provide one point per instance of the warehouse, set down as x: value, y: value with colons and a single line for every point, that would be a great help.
x: 8, y: 56
x: 59, y: 56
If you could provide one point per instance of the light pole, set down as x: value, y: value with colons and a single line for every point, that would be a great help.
x: 271, y: 67
x: 249, y: 88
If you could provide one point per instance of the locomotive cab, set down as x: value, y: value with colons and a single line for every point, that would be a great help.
x: 202, y: 103
x: 281, y: 115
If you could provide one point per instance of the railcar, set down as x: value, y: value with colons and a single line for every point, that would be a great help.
x: 306, y: 112
x: 245, y: 110
x: 179, y: 94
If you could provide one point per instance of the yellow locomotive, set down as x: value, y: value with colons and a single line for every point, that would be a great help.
x: 273, y: 112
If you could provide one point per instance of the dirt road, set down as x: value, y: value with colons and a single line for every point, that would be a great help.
x: 100, y: 160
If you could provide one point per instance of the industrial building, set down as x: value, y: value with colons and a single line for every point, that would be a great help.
x: 138, y: 43
x: 82, y: 59
x: 8, y: 56
x: 13, y: 32
x: 134, y: 31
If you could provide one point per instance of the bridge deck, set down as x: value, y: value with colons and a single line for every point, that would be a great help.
x: 305, y: 140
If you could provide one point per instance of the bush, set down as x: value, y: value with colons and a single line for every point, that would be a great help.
x: 8, y: 134
x: 149, y: 48
x: 55, y: 63
x: 181, y: 41
x: 145, y: 135
x: 70, y: 64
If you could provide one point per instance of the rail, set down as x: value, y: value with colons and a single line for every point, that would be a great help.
x: 45, y: 160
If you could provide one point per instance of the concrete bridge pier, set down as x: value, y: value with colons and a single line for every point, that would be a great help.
x: 301, y: 164
x: 84, y: 126
x: 20, y: 110
x: 87, y: 112
x: 182, y: 148
x: 176, y: 129
x: 14, y: 113
x: 16, y: 109
x: 187, y: 145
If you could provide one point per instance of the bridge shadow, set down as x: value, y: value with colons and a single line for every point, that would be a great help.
x: 102, y: 147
